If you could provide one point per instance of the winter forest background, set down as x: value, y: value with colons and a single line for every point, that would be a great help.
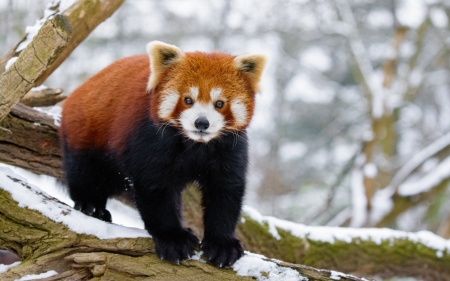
x: 353, y: 123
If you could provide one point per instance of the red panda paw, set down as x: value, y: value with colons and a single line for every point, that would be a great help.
x: 222, y: 252
x: 175, y: 246
x: 92, y: 211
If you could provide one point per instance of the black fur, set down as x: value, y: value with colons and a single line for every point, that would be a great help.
x: 160, y: 162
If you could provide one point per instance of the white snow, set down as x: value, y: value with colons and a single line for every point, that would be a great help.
x: 49, y: 12
x: 39, y: 88
x: 380, y: 18
x: 53, y: 111
x: 438, y: 17
x: 428, y: 181
x: 261, y: 269
x: 38, y: 276
x: 74, y: 220
x: 5, y: 267
x: 64, y: 4
x: 336, y: 275
x: 381, y: 204
x: 316, y: 58
x: 411, y: 12
x: 359, y: 199
x: 10, y: 62
x: 418, y: 159
x: 370, y: 170
x: 343, y: 234
x: 198, y: 256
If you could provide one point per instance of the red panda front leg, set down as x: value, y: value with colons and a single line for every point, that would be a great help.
x: 160, y: 209
x: 222, y: 201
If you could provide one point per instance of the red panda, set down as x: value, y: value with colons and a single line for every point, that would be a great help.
x: 155, y: 123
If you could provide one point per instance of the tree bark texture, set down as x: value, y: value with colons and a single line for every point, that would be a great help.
x: 44, y: 97
x: 33, y: 61
x: 44, y: 245
x: 39, y: 148
x: 84, y: 16
x: 29, y: 139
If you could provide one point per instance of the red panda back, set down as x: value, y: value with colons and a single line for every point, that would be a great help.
x: 102, y: 111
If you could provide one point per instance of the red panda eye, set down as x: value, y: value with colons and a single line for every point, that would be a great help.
x: 188, y: 101
x: 219, y: 104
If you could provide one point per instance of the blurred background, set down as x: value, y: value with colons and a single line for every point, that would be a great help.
x: 352, y: 126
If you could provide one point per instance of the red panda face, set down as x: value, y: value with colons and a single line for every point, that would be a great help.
x: 204, y: 94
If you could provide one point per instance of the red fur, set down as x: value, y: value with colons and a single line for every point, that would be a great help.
x: 102, y: 112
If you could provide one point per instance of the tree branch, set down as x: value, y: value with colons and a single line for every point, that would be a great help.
x: 37, y: 57
x: 44, y: 97
x: 30, y: 141
x: 45, y: 244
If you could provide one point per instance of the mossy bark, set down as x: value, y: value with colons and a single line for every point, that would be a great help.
x: 44, y: 245
x: 360, y: 256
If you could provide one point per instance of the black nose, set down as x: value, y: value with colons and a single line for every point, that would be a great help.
x: 201, y: 123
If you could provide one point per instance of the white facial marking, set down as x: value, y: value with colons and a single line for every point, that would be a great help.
x: 215, y: 93
x: 168, y: 103
x: 239, y: 112
x: 194, y: 92
x: 215, y: 119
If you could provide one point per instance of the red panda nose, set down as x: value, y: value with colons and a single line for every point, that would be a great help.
x: 201, y: 123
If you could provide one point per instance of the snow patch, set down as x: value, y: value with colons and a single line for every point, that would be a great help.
x: 438, y: 17
x: 430, y: 180
x: 332, y: 234
x: 198, y: 256
x: 55, y: 210
x: 370, y: 170
x: 10, y: 62
x: 38, y: 276
x: 411, y: 12
x: 336, y: 275
x: 418, y: 159
x: 53, y: 111
x: 49, y: 12
x: 39, y: 88
x: 263, y: 270
x: 5, y: 267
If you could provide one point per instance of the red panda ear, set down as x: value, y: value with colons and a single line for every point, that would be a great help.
x: 161, y: 56
x: 253, y: 66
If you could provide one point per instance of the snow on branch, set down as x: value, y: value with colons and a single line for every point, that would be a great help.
x: 52, y: 8
x: 361, y: 58
x: 110, y: 254
x: 331, y: 235
x: 418, y: 159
